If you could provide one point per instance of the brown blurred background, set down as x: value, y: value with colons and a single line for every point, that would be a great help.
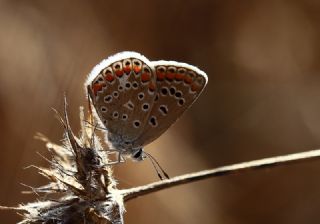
x: 263, y: 99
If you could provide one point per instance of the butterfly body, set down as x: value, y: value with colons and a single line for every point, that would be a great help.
x: 137, y: 100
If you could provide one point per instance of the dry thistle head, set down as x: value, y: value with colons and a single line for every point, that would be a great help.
x: 80, y: 179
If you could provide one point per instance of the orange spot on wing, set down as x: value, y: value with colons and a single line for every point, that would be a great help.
x: 96, y: 87
x: 137, y: 69
x: 109, y: 77
x: 145, y: 77
x: 160, y: 76
x: 127, y: 69
x: 152, y: 87
x: 188, y: 79
x: 194, y: 87
x: 170, y: 76
x: 119, y: 73
x: 179, y: 76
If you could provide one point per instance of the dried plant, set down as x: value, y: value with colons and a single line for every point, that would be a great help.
x: 84, y: 187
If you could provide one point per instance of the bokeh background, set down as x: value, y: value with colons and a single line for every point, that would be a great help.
x: 263, y: 99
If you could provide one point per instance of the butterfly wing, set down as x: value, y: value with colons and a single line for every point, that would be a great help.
x: 122, y: 89
x: 178, y: 86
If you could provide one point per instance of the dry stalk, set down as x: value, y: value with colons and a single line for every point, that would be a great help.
x: 82, y: 180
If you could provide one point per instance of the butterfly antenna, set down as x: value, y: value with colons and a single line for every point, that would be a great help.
x: 157, y: 166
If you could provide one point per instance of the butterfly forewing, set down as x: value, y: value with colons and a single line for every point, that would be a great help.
x: 178, y: 86
x: 122, y: 90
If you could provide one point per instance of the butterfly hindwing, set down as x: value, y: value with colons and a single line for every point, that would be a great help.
x: 122, y: 89
x: 178, y: 86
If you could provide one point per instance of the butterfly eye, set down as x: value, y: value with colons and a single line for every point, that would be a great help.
x: 137, y: 155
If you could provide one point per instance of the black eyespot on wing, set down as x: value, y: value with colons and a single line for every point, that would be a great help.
x: 181, y: 102
x: 130, y: 105
x: 103, y: 109
x: 136, y: 123
x: 145, y: 107
x: 157, y: 97
x: 115, y: 114
x: 164, y: 91
x: 163, y: 109
x: 178, y: 94
x: 124, y: 117
x: 172, y: 90
x: 135, y: 85
x: 153, y: 121
x: 115, y: 94
x: 140, y: 96
x: 128, y: 85
x: 108, y: 99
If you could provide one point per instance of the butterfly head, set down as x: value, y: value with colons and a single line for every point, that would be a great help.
x: 138, y: 155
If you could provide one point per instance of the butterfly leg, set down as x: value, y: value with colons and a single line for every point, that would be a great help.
x: 111, y: 151
x: 120, y: 158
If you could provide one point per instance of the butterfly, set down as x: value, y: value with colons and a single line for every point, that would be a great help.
x: 137, y: 100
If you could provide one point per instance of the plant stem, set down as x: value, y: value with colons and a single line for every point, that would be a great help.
x: 220, y: 171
